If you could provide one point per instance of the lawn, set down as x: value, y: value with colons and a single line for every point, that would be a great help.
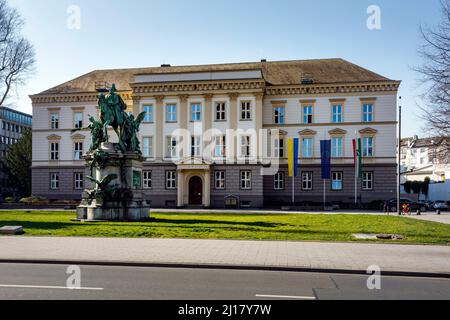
x: 230, y: 226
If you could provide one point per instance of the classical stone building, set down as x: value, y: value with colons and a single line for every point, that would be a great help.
x: 12, y: 126
x: 216, y: 134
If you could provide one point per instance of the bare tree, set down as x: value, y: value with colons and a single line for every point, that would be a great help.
x: 16, y: 53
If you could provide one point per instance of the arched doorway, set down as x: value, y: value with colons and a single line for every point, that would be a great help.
x: 195, y: 191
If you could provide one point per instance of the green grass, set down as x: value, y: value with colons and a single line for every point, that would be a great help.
x: 230, y: 226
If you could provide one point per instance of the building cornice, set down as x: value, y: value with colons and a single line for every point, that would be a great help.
x: 73, y: 98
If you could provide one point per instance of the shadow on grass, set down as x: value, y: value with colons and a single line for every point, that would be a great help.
x: 219, y: 222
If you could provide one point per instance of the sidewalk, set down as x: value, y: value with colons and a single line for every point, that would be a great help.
x: 230, y: 253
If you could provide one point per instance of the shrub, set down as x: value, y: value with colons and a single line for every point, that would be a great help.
x: 9, y: 200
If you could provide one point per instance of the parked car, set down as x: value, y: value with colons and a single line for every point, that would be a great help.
x: 414, y: 206
x: 440, y: 205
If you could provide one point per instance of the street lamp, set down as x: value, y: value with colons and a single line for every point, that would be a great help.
x: 399, y: 169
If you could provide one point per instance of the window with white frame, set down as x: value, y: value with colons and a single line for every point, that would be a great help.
x: 279, y: 148
x: 219, y: 178
x: 367, y: 181
x: 78, y: 151
x: 196, y: 142
x: 78, y: 120
x: 171, y: 143
x: 147, y: 147
x: 368, y: 112
x: 246, y: 180
x: 246, y: 110
x: 54, y: 181
x: 54, y: 120
x: 337, y: 113
x: 336, y: 180
x: 171, y: 112
x: 278, y: 181
x: 220, y: 146
x: 307, y: 114
x: 245, y: 146
x: 368, y: 147
x: 147, y: 179
x: 78, y: 180
x: 221, y: 111
x: 307, y: 147
x: 307, y: 181
x: 148, y: 109
x: 171, y: 180
x: 196, y: 112
x: 54, y: 151
x: 278, y: 115
x: 337, y: 147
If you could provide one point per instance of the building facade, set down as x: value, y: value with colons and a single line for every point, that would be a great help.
x: 216, y: 135
x: 12, y: 126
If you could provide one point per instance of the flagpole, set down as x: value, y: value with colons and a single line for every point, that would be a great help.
x: 293, y: 191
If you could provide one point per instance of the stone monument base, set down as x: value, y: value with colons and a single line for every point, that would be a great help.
x: 114, y: 211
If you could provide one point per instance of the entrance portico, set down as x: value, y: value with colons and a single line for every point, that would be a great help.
x: 194, y: 183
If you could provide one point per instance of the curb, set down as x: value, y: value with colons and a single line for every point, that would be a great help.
x: 409, y: 274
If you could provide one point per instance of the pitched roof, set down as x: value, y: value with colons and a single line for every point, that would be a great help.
x: 323, y: 71
x: 425, y: 142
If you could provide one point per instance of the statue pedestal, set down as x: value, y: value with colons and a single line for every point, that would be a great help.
x: 127, y: 202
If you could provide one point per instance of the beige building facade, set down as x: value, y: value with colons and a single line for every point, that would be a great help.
x: 217, y: 134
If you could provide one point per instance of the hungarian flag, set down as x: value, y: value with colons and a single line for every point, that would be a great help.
x: 293, y: 156
x: 357, y: 156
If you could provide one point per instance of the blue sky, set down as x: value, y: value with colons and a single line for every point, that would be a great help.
x: 139, y: 33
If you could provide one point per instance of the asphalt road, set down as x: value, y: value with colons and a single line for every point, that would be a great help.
x: 43, y: 282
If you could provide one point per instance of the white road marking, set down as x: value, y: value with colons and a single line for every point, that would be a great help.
x: 285, y: 297
x: 47, y: 287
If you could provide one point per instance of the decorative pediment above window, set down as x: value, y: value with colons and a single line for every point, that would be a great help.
x: 54, y: 137
x: 307, y: 132
x: 279, y: 102
x: 337, y: 131
x: 78, y: 137
x: 368, y: 131
x: 280, y: 132
x: 193, y: 161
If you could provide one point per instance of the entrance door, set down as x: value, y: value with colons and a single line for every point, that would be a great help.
x: 195, y: 191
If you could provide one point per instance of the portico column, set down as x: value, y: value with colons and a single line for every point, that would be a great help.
x: 180, y: 194
x: 207, y: 189
x: 136, y: 105
x: 159, y: 139
x: 184, y: 111
x: 208, y: 112
x: 259, y: 123
x: 234, y: 109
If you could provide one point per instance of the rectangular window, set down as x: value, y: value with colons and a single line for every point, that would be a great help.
x: 196, y: 112
x: 367, y: 147
x: 148, y: 109
x: 147, y: 147
x: 367, y: 181
x: 337, y: 147
x: 307, y: 147
x: 219, y: 178
x: 78, y: 152
x: 221, y: 111
x: 367, y: 112
x: 307, y: 114
x: 171, y: 151
x: 220, y: 146
x: 246, y: 110
x: 54, y: 121
x: 337, y: 113
x: 78, y: 181
x: 147, y: 179
x: 279, y: 148
x: 245, y: 146
x: 171, y: 113
x: 78, y: 120
x: 278, y: 115
x: 246, y: 180
x: 171, y: 180
x: 336, y: 182
x: 307, y: 181
x: 196, y: 142
x: 54, y: 181
x: 278, y: 181
x: 54, y: 151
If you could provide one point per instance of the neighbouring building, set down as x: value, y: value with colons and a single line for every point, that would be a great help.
x: 12, y: 126
x: 212, y: 134
x: 428, y: 158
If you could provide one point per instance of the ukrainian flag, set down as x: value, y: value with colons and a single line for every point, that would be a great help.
x: 293, y: 144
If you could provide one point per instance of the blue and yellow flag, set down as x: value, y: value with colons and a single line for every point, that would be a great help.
x: 293, y: 156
